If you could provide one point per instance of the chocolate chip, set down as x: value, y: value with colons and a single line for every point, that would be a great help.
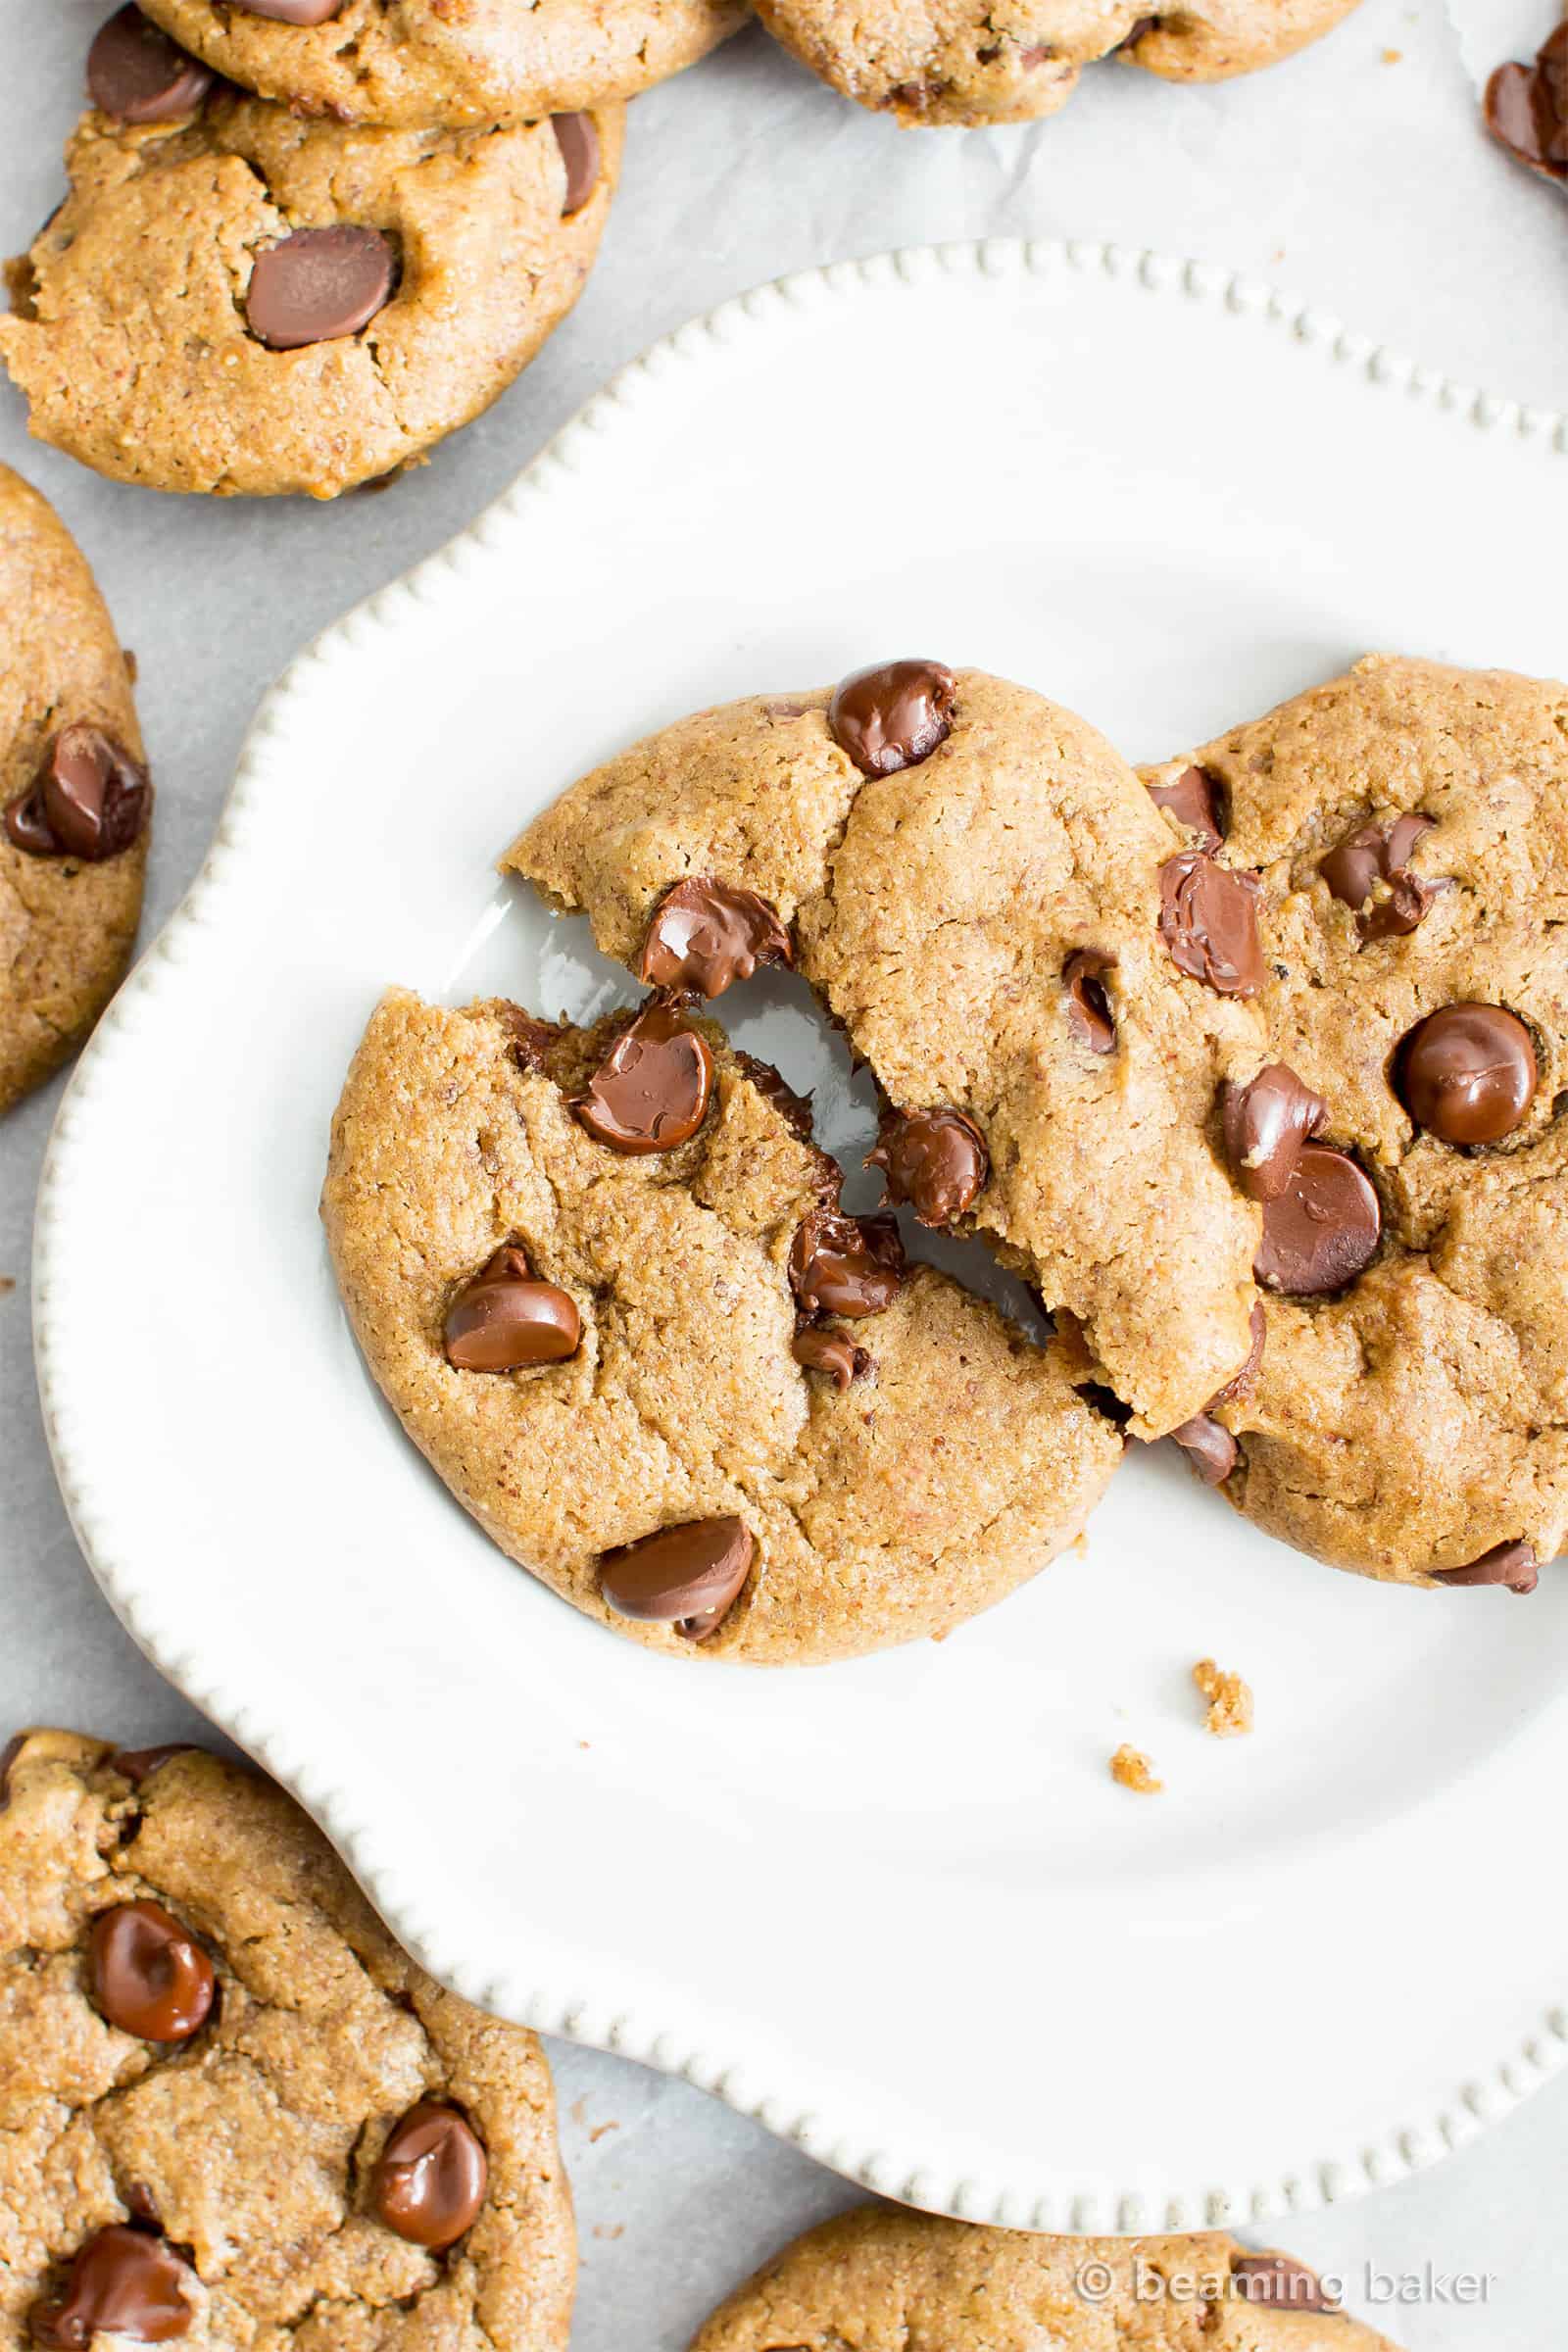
x: 1467, y: 1073
x: 503, y: 1319
x: 893, y: 716
x: 688, y: 1575
x: 934, y: 1160
x: 651, y: 1093
x: 532, y: 1040
x: 1511, y: 1564
x: 318, y: 285
x: 89, y: 799
x: 846, y: 1265
x: 1194, y: 799
x: 1527, y: 108
x: 137, y: 1764
x: 1090, y: 1018
x: 1209, y: 1447
x: 122, y: 2283
x: 705, y: 936
x: 141, y: 2205
x: 1266, y: 1122
x: 1132, y: 36
x: 1242, y: 1384
x: 1209, y: 921
x: 138, y: 75
x: 431, y: 2181
x: 292, y: 11
x: 1370, y: 870
x: 1323, y: 1229
x: 578, y: 140
x: 1281, y: 2283
x: 150, y: 1976
x: 833, y: 1352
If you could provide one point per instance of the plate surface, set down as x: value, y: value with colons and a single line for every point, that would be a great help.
x: 897, y: 1908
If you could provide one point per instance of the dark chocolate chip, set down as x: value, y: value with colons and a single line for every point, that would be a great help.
x: 532, y: 1040
x: 934, y: 1160
x: 89, y: 799
x: 1370, y: 870
x: 138, y: 75
x: 292, y: 11
x: 1242, y: 1384
x: 319, y: 285
x: 1281, y: 2283
x: 137, y: 1764
x: 1467, y: 1073
x: 1527, y: 108
x: 1195, y: 798
x: 141, y: 2205
x: 578, y: 137
x: 150, y: 1976
x: 833, y: 1352
x: 1266, y: 1122
x: 1090, y: 1018
x: 1209, y: 921
x: 122, y: 2283
x: 1511, y: 1564
x: 430, y: 2183
x: 894, y: 714
x: 849, y: 1266
x: 1323, y: 1230
x: 705, y: 936
x: 1209, y: 1447
x: 503, y: 1319
x: 687, y: 1576
x: 651, y: 1093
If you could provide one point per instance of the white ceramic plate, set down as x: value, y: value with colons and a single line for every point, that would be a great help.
x: 897, y: 1908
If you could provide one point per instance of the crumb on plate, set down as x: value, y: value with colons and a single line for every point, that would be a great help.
x: 1132, y: 1768
x: 1230, y: 1701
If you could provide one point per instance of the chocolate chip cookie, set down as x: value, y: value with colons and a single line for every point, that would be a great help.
x: 1049, y: 976
x: 235, y: 300
x: 419, y: 65
x: 971, y: 61
x: 74, y: 798
x: 1408, y: 825
x: 604, y: 1281
x: 230, y: 2108
x: 882, y: 2280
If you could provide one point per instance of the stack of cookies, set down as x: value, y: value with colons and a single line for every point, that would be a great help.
x: 1249, y: 1064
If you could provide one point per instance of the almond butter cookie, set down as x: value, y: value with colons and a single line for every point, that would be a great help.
x: 74, y: 798
x: 232, y: 2110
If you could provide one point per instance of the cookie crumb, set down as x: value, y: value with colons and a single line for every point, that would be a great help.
x: 1132, y: 1768
x: 609, y: 2229
x: 1230, y: 1701
x: 599, y: 2131
x: 1392, y: 57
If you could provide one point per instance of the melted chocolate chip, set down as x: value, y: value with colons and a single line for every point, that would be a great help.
x: 689, y: 1576
x: 934, y: 1160
x: 1467, y: 1073
x: 292, y: 11
x: 532, y: 1040
x: 1511, y: 1564
x: 578, y: 140
x: 833, y: 1352
x: 138, y: 75
x: 849, y: 1266
x: 1281, y: 2283
x: 429, y: 2184
x: 1090, y: 1018
x: 705, y: 936
x: 122, y: 2283
x: 1266, y: 1122
x: 1209, y: 1447
x: 652, y: 1091
x: 503, y: 1319
x: 137, y: 1764
x: 1196, y: 800
x: 1527, y: 108
x: 1242, y: 1384
x: 318, y: 285
x: 1209, y: 921
x: 1324, y: 1228
x: 141, y: 2205
x: 89, y: 799
x: 1369, y: 871
x: 149, y: 1975
x: 893, y: 716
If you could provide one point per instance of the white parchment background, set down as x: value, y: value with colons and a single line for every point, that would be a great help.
x: 1357, y: 176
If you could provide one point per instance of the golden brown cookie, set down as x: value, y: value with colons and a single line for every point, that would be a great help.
x: 1049, y: 980
x: 75, y: 799
x: 886, y: 2282
x: 232, y: 2110
x: 417, y: 65
x: 1408, y: 825
x: 236, y: 300
x: 975, y: 61
x: 601, y: 1280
